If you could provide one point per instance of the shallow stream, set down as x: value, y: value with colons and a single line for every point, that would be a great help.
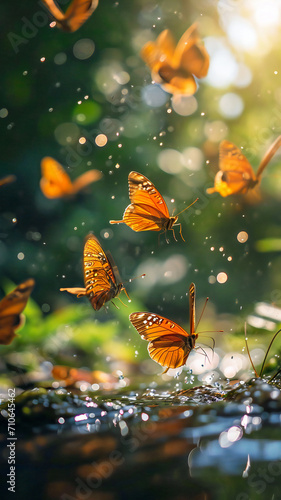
x: 202, y: 443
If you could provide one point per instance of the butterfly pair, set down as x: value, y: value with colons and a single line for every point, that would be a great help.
x: 11, y: 308
x: 173, y: 66
x: 77, y: 13
x: 169, y: 344
x: 56, y: 183
x: 236, y: 175
x: 148, y: 210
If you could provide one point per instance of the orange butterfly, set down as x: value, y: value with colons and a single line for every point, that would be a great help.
x: 169, y: 344
x: 148, y: 210
x: 56, y: 183
x: 7, y: 180
x: 174, y: 67
x: 236, y: 175
x: 11, y: 308
x: 101, y: 276
x: 77, y: 13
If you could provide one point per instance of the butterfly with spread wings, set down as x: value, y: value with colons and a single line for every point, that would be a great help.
x: 101, y: 276
x: 77, y: 13
x: 11, y: 308
x: 169, y: 344
x: 148, y: 210
x: 174, y: 66
x: 236, y: 175
x: 56, y: 183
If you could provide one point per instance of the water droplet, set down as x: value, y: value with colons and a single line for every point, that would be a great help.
x: 222, y: 277
x: 242, y: 237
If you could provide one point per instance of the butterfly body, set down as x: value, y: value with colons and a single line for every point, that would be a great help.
x: 168, y: 225
x: 169, y: 344
x: 101, y: 276
x: 148, y: 210
x: 11, y: 308
x: 175, y: 66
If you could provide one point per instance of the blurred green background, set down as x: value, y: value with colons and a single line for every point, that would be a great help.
x: 58, y: 87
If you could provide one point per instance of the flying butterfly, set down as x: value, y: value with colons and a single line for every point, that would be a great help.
x: 148, y: 210
x: 236, y: 175
x: 101, y: 276
x: 56, y: 183
x: 77, y: 13
x: 169, y: 344
x: 175, y: 66
x: 11, y: 308
x: 7, y: 180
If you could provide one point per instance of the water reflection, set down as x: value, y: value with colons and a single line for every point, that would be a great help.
x: 150, y: 444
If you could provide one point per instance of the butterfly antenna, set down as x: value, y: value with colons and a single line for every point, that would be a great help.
x: 268, y: 349
x: 187, y: 207
x: 247, y: 347
x: 204, y: 307
x: 268, y: 155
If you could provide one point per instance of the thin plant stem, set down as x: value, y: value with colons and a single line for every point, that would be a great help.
x: 268, y: 155
x: 274, y: 376
x: 247, y: 347
x: 268, y: 349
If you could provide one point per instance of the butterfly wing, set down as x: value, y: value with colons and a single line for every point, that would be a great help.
x: 11, y: 308
x: 177, y: 82
x: 54, y: 10
x: 55, y: 182
x: 174, y: 66
x: 190, y: 54
x: 85, y: 179
x: 148, y: 210
x: 7, y: 180
x: 159, y: 56
x: 78, y: 12
x: 169, y: 344
x: 79, y: 292
x: 101, y: 276
x: 161, y: 51
x: 236, y: 175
